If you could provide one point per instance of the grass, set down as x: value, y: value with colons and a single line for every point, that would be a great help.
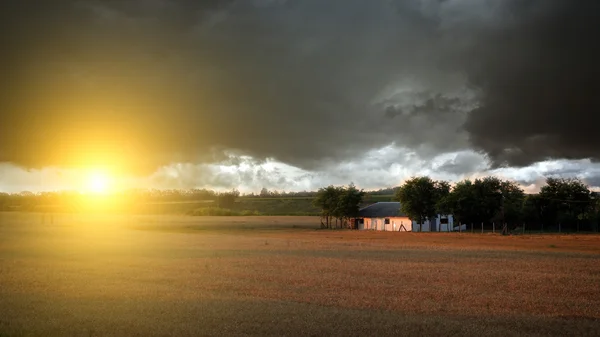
x: 243, y: 206
x: 292, y: 206
x: 188, y: 276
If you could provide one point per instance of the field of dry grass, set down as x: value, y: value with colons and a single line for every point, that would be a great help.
x: 190, y: 276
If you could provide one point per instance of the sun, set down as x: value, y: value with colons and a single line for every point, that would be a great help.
x: 98, y: 183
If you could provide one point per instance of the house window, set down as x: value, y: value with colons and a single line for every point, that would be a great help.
x: 387, y: 221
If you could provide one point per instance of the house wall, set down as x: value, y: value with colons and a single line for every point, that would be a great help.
x: 394, y: 225
x: 435, y: 225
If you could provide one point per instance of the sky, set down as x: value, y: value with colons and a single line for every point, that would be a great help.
x: 297, y: 94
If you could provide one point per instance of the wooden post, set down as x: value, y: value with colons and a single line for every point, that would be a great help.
x: 471, y: 228
x: 482, y: 228
x: 493, y: 227
x: 459, y: 226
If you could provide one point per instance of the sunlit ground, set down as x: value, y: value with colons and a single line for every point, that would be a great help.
x: 87, y: 275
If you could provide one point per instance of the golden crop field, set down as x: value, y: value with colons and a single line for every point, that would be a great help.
x: 84, y: 275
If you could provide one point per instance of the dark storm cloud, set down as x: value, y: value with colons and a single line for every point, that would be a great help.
x: 178, y: 81
x: 593, y: 180
x: 537, y: 69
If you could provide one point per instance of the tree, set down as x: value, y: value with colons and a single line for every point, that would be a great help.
x: 511, y: 204
x: 485, y: 200
x: 462, y: 202
x: 264, y: 192
x: 327, y: 200
x: 348, y: 203
x: 227, y: 199
x: 533, y: 210
x: 567, y: 201
x: 339, y: 203
x: 488, y: 196
x: 419, y: 198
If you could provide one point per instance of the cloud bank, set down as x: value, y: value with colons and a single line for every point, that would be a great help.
x: 148, y: 84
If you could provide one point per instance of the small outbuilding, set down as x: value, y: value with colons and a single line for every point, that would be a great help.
x: 383, y: 216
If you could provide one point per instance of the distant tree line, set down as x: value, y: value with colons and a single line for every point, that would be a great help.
x: 71, y: 200
x: 562, y: 204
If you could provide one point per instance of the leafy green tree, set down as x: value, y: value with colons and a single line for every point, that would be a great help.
x: 462, y: 202
x: 419, y: 198
x: 567, y: 201
x: 533, y: 211
x: 511, y: 203
x: 348, y: 203
x: 488, y: 194
x: 484, y: 201
x: 327, y: 200
x: 339, y: 203
x: 442, y: 189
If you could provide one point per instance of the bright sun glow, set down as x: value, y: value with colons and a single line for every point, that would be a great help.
x: 98, y: 182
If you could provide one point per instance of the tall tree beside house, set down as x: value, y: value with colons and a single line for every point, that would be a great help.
x: 348, y: 203
x: 338, y: 203
x: 443, y: 190
x: 327, y: 200
x: 420, y: 198
x: 462, y: 203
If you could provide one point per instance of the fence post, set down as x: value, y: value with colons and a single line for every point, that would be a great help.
x: 493, y: 227
x: 459, y: 227
x: 472, y: 228
x: 482, y: 228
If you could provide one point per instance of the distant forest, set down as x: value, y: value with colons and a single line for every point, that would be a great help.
x: 177, y: 201
x: 166, y: 195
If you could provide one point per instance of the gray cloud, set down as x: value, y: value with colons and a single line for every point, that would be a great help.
x: 305, y: 82
x: 462, y: 163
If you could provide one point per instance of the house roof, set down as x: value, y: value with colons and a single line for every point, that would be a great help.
x: 381, y: 210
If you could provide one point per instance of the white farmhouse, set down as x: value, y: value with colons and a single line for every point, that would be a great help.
x: 388, y: 216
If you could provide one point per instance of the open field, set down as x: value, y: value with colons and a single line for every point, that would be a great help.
x: 197, y: 276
